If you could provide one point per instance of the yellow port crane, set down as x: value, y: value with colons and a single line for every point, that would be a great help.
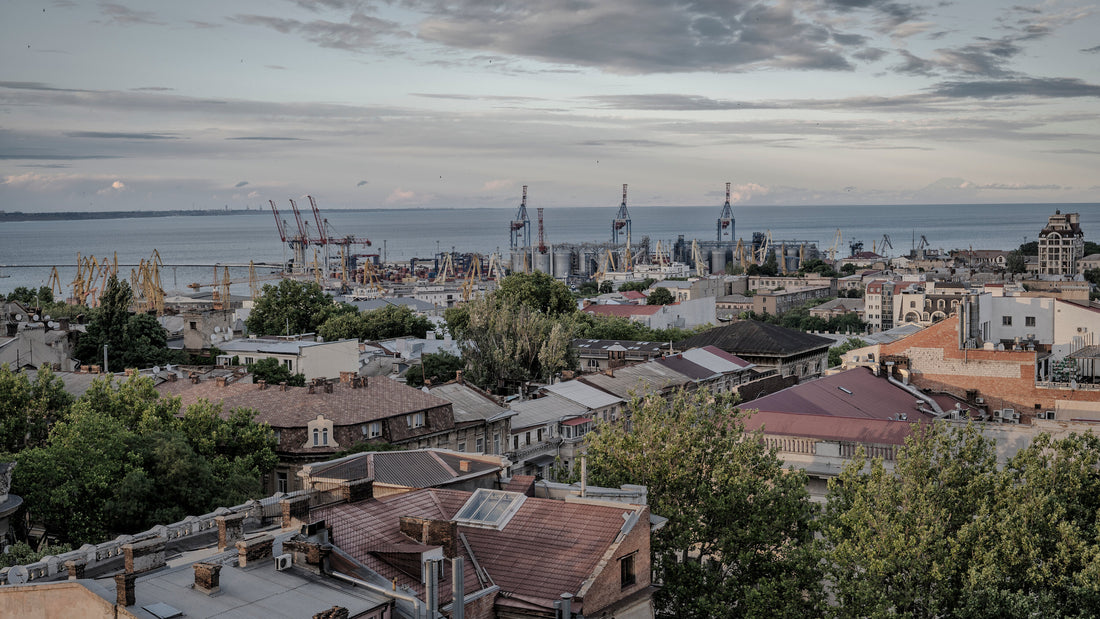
x: 697, y: 256
x: 834, y: 246
x: 446, y: 269
x: 145, y: 281
x: 473, y: 276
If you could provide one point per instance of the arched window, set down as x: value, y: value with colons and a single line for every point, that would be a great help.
x: 316, y: 437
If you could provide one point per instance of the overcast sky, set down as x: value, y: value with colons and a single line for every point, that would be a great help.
x: 410, y: 103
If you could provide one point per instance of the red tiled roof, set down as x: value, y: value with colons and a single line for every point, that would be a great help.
x: 633, y: 295
x: 548, y: 548
x: 379, y: 399
x: 623, y: 311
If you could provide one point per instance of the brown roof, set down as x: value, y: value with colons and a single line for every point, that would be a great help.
x: 379, y: 399
x: 623, y: 311
x: 548, y: 548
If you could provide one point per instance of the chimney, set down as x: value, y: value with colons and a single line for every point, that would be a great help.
x: 75, y: 568
x: 328, y: 386
x: 129, y: 371
x: 282, y: 386
x: 145, y: 555
x: 432, y: 532
x: 357, y: 490
x: 230, y: 530
x: 220, y: 380
x: 459, y: 378
x: 336, y: 612
x: 124, y: 588
x: 464, y: 466
x: 254, y: 551
x: 610, y: 371
x: 262, y: 383
x: 95, y: 369
x: 172, y: 377
x: 84, y: 369
x: 207, y: 577
x: 312, y: 389
x: 345, y: 377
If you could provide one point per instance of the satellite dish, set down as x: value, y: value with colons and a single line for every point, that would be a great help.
x: 156, y: 369
x: 17, y: 575
x: 53, y: 325
x: 46, y: 317
x: 19, y: 317
x: 168, y: 368
x: 35, y: 318
x: 213, y: 337
x: 217, y: 329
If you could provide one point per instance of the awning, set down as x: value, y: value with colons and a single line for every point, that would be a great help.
x: 542, y: 460
x: 576, y: 421
x: 1088, y: 352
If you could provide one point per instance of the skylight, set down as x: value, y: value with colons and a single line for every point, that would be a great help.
x: 490, y: 509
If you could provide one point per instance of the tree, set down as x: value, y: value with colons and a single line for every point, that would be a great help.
x: 606, y: 286
x: 836, y: 353
x: 1015, y: 262
x: 639, y: 286
x: 28, y: 408
x: 847, y: 269
x: 383, y: 323
x: 506, y: 343
x: 1093, y: 276
x: 293, y: 307
x: 660, y: 296
x: 739, y: 538
x: 1029, y: 249
x: 272, y: 372
x: 131, y: 340
x: 436, y: 367
x: 588, y: 289
x: 537, y: 291
x: 29, y: 297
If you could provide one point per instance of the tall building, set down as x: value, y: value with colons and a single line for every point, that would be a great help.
x: 1061, y: 244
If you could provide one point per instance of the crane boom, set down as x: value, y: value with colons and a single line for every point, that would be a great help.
x: 278, y: 222
x: 303, y: 235
x: 322, y: 238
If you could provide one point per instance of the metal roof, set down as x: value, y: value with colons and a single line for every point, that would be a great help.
x: 716, y: 359
x: 468, y: 404
x: 583, y: 394
x: 544, y: 410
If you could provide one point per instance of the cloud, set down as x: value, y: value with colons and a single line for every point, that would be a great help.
x: 637, y: 36
x: 266, y: 137
x: 116, y: 187
x: 401, y: 196
x: 741, y: 193
x: 1021, y: 187
x: 1052, y: 87
x: 51, y: 157
x: 496, y: 185
x: 276, y: 67
x: 153, y: 89
x: 124, y: 15
x: 240, y: 184
x: 361, y: 183
x: 120, y: 136
x: 358, y: 33
x: 253, y: 195
x: 1092, y: 50
x: 36, y: 86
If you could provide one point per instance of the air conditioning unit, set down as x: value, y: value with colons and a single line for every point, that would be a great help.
x: 283, y: 562
x: 979, y: 400
x: 997, y: 413
x: 1049, y: 415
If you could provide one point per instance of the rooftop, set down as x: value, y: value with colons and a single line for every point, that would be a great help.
x: 752, y: 337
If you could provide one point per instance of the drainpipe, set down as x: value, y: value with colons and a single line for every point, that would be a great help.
x: 418, y: 608
x: 458, y: 589
x: 917, y: 392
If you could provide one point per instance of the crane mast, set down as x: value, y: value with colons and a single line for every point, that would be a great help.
x: 725, y: 219
x: 521, y: 222
x: 621, y: 221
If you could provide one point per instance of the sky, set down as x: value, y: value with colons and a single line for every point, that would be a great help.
x: 459, y: 103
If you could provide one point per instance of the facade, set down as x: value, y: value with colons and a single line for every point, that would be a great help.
x: 600, y: 355
x: 782, y: 300
x: 301, y: 356
x: 878, y: 304
x: 546, y: 432
x: 837, y: 308
x: 29, y: 343
x: 1061, y: 244
x: 685, y: 315
x: 1088, y: 263
x: 313, y: 423
x: 693, y: 288
x: 481, y: 425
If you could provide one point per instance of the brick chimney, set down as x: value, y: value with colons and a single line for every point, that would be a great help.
x: 357, y: 490
x: 312, y: 389
x: 282, y: 386
x: 172, y: 377
x: 94, y: 369
x: 262, y: 383
x: 75, y: 568
x: 295, y: 511
x: 144, y: 555
x: 459, y: 378
x: 255, y: 550
x: 345, y: 377
x: 464, y: 466
x: 207, y: 577
x: 336, y: 612
x: 230, y: 530
x: 328, y: 386
x: 220, y: 380
x: 309, y: 555
x: 432, y: 532
x: 124, y: 588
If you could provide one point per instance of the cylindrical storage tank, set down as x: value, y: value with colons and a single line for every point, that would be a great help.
x: 542, y: 262
x: 718, y: 261
x: 563, y: 263
x: 588, y: 264
x: 517, y: 262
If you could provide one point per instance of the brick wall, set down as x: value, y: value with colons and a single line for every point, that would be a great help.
x: 1004, y: 378
x: 607, y: 587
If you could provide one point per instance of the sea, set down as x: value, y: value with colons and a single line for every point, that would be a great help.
x: 191, y: 246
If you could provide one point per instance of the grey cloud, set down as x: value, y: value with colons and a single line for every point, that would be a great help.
x: 51, y: 157
x: 674, y: 102
x: 626, y: 142
x: 361, y: 183
x: 267, y: 138
x: 358, y: 33
x: 1054, y: 87
x: 462, y: 97
x: 1072, y: 151
x: 1092, y: 50
x: 36, y: 86
x: 888, y: 14
x: 204, y: 25
x: 648, y: 36
x: 240, y: 184
x: 849, y: 39
x: 120, y: 136
x: 277, y: 67
x: 153, y: 89
x: 1021, y: 187
x: 121, y: 14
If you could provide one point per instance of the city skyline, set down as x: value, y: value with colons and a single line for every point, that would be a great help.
x: 113, y: 106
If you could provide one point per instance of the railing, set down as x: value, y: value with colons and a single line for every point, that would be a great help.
x: 1067, y: 386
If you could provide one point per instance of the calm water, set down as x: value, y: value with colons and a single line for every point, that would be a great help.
x: 403, y: 234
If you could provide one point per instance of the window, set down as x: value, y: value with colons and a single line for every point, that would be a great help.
x: 281, y: 482
x: 316, y: 437
x: 480, y: 445
x: 1029, y: 321
x: 626, y: 571
x: 373, y: 429
x: 461, y: 445
x: 415, y: 420
x: 194, y: 325
x: 1006, y: 321
x: 496, y: 442
x: 288, y: 364
x: 249, y: 360
x: 527, y: 438
x: 515, y: 442
x: 540, y: 435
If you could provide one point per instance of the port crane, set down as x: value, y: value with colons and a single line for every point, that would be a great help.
x: 834, y: 246
x: 621, y: 221
x: 697, y: 257
x: 473, y: 276
x: 762, y: 253
x: 520, y: 226
x: 725, y: 219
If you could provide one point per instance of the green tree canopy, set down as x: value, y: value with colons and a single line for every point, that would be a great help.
x: 272, y: 372
x: 639, y: 286
x: 29, y: 297
x: 836, y: 353
x: 537, y: 291
x: 948, y: 534
x: 28, y: 407
x: 131, y: 340
x: 1029, y: 249
x: 293, y: 307
x: 660, y: 296
x: 739, y: 538
x: 383, y: 323
x: 436, y: 367
x: 1015, y: 262
x: 606, y: 286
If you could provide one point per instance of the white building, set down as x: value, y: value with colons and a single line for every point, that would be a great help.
x: 311, y: 358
